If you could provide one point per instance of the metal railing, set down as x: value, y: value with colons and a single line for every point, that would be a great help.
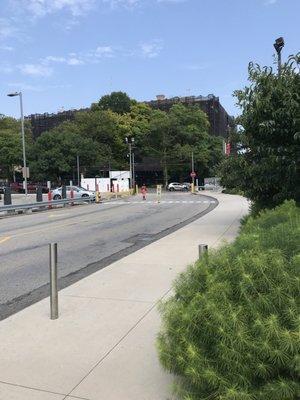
x: 12, y: 207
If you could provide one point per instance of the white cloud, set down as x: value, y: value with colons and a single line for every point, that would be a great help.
x: 6, y: 48
x: 122, y: 3
x: 54, y: 59
x: 7, y: 28
x: 104, y: 51
x: 35, y: 70
x: 40, y: 8
x: 74, y: 61
x: 151, y: 49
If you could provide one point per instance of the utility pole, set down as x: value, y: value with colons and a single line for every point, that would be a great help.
x: 279, y: 44
x: 193, y: 175
x: 78, y: 171
x: 133, y: 172
x: 23, y: 138
x: 130, y: 141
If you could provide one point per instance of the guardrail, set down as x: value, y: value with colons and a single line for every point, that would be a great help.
x: 12, y: 207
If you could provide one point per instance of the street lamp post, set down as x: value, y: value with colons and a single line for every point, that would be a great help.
x: 279, y: 44
x: 130, y: 142
x: 133, y: 172
x: 23, y: 137
x: 193, y: 170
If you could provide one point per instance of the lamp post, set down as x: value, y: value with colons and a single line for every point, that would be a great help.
x: 279, y: 44
x: 130, y: 141
x: 193, y: 172
x: 23, y: 137
x: 78, y: 171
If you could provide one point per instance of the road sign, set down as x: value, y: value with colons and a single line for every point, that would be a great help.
x: 193, y: 174
x: 25, y: 172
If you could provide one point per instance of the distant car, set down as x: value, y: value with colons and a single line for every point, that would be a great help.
x: 2, y: 187
x: 31, y: 187
x: 187, y: 184
x: 175, y: 186
x: 78, y: 192
x: 209, y: 186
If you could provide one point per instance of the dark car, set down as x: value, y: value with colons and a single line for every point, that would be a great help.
x: 17, y: 187
x: 2, y: 187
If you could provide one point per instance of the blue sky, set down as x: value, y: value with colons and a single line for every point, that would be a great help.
x: 68, y: 53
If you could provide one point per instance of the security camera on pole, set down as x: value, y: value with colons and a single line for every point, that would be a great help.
x: 279, y: 45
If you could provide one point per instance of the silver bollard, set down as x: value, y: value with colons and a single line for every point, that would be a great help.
x: 53, y: 281
x: 203, y: 248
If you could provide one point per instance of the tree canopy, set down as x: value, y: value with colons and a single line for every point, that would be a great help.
x: 98, y: 137
x: 118, y: 102
x: 267, y: 168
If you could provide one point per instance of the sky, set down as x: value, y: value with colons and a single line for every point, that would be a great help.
x: 65, y: 54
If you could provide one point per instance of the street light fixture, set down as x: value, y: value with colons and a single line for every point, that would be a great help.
x: 279, y: 45
x: 23, y: 137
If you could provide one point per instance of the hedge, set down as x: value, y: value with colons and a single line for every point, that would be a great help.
x: 231, y: 330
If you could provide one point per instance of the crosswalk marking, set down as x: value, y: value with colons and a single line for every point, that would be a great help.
x: 161, y: 202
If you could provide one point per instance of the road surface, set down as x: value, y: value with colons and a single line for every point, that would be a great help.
x: 89, y: 238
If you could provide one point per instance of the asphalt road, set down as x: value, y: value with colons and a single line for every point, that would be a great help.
x: 89, y: 238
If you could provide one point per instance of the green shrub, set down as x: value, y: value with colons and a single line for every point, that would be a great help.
x: 231, y: 331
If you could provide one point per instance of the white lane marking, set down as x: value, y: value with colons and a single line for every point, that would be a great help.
x: 4, y: 239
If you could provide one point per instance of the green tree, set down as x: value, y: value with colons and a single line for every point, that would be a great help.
x: 105, y: 129
x: 11, y: 145
x: 267, y: 168
x: 54, y: 153
x: 175, y: 135
x: 118, y: 102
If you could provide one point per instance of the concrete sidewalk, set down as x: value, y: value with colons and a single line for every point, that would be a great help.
x: 102, y: 347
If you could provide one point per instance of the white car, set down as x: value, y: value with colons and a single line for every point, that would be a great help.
x: 177, y: 186
x: 78, y: 192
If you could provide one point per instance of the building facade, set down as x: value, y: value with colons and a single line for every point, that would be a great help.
x: 220, y: 121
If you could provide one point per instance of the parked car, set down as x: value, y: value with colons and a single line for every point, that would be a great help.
x: 175, y: 186
x: 78, y: 192
x: 2, y: 187
x: 31, y: 187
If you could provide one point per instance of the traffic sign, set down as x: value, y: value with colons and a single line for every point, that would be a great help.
x: 193, y: 174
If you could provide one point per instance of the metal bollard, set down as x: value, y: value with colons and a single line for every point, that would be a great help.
x: 64, y: 192
x: 203, y: 248
x: 7, y: 196
x: 39, y: 193
x: 53, y: 281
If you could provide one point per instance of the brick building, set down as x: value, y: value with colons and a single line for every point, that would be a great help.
x: 219, y: 119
